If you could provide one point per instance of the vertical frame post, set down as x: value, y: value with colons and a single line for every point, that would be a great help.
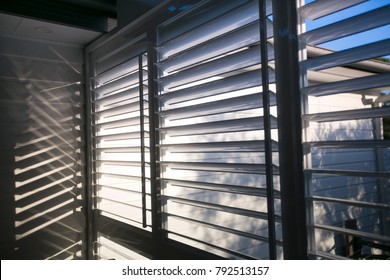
x: 142, y: 139
x: 90, y: 226
x: 154, y: 140
x: 267, y: 130
x: 290, y: 129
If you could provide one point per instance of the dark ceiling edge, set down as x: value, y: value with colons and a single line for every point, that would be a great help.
x: 67, y: 13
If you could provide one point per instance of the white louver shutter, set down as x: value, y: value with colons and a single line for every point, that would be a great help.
x: 215, y: 131
x: 347, y: 174
x: 120, y: 143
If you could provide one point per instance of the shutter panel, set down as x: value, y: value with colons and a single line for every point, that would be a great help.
x: 347, y: 178
x: 118, y: 140
x: 120, y: 149
x: 212, y: 130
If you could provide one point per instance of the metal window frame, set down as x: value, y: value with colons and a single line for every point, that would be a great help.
x: 290, y: 128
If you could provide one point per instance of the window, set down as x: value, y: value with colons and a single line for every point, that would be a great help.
x: 188, y: 118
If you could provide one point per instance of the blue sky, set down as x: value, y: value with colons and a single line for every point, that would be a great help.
x: 377, y: 34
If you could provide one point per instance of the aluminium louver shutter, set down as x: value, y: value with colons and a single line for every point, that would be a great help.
x: 120, y: 145
x: 347, y: 176
x: 214, y: 134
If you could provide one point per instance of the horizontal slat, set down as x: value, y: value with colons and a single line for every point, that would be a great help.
x: 320, y: 8
x: 327, y: 256
x: 355, y: 203
x: 119, y: 136
x: 237, y: 125
x: 351, y: 85
x: 219, y: 147
x: 126, y: 189
x: 119, y: 176
x: 218, y: 207
x: 357, y: 114
x: 240, y: 103
x: 119, y: 110
x: 370, y: 236
x: 240, y: 38
x: 119, y: 70
x: 113, y: 201
x: 108, y: 56
x: 349, y: 144
x: 120, y: 84
x: 254, y: 191
x: 118, y: 162
x: 234, y: 83
x: 229, y: 21
x: 118, y: 97
x: 219, y: 167
x: 102, y: 212
x: 119, y: 150
x: 67, y: 104
x: 200, y: 13
x: 339, y: 58
x: 222, y: 249
x: 233, y: 62
x: 220, y: 228
x: 118, y: 123
x: 350, y: 26
x: 348, y: 173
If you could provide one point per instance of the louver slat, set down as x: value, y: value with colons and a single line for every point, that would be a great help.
x: 118, y: 162
x: 218, y: 167
x: 121, y: 188
x: 221, y: 228
x: 241, y: 103
x: 118, y: 71
x: 120, y: 84
x: 240, y: 38
x: 370, y: 236
x: 348, y: 115
x: 243, y: 59
x: 218, y: 187
x: 238, y: 125
x: 218, y: 147
x: 119, y: 110
x: 119, y: 149
x: 218, y: 207
x: 348, y: 26
x: 326, y: 256
x: 321, y: 8
x: 376, y: 81
x: 119, y: 136
x: 234, y: 83
x: 119, y: 123
x: 373, y: 205
x: 118, y: 176
x: 349, y: 173
x: 227, y: 22
x: 373, y: 50
x: 112, y: 100
x: 350, y: 144
x: 209, y: 245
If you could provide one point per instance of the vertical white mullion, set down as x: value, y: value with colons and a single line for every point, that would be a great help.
x: 306, y: 135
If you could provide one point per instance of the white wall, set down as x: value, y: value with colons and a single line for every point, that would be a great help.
x: 41, y: 143
x: 356, y: 159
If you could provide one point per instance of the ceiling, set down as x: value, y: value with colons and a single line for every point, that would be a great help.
x: 95, y: 15
x: 41, y: 30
